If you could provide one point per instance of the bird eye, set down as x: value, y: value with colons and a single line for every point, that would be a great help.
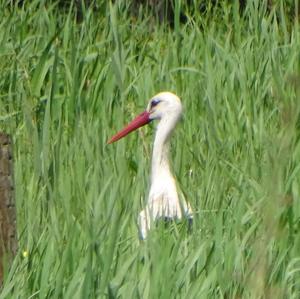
x: 154, y: 102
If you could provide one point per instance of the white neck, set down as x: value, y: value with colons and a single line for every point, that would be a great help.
x: 160, y: 156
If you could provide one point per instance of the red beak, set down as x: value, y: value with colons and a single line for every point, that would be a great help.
x: 141, y: 120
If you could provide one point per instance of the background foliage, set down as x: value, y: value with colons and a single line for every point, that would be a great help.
x: 67, y: 84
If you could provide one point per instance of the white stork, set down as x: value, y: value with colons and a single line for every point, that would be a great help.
x: 163, y: 201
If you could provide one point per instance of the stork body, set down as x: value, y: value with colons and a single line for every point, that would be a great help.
x: 163, y: 200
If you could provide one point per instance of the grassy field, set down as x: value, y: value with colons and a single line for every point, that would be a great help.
x: 67, y: 86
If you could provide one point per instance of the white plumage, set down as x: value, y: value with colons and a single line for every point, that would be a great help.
x: 163, y: 201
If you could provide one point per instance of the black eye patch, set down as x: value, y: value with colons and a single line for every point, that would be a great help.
x: 154, y: 102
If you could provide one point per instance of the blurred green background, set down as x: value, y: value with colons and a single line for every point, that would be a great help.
x: 72, y: 73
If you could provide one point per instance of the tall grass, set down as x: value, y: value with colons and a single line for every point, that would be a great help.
x: 67, y: 86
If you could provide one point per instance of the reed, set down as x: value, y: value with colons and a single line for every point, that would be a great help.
x: 65, y: 87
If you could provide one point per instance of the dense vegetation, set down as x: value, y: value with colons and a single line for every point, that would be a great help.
x: 67, y: 85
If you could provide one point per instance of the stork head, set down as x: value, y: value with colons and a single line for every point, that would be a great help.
x: 164, y: 104
x: 161, y: 106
